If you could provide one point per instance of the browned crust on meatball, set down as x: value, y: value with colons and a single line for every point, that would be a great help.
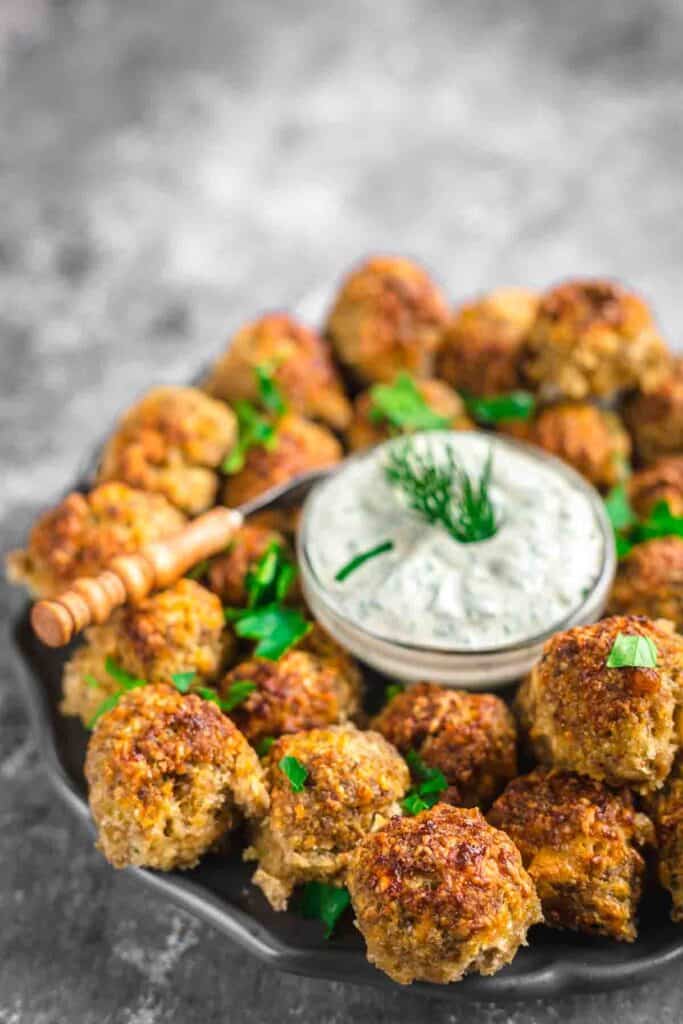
x: 387, y: 317
x: 593, y: 337
x: 481, y: 346
x: 181, y: 629
x: 580, y: 843
x: 228, y: 572
x: 81, y: 535
x: 662, y: 481
x: 300, y: 446
x: 299, y: 691
x: 440, y: 895
x: 592, y: 440
x: 168, y: 775
x: 470, y: 737
x: 649, y: 581
x: 355, y: 780
x: 171, y: 441
x: 299, y: 360
x: 365, y: 431
x: 655, y: 419
x: 667, y: 812
x: 612, y: 724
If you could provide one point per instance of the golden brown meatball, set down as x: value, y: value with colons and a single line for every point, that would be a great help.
x: 181, y: 629
x: 481, y: 346
x: 662, y: 481
x: 655, y: 419
x: 227, y: 574
x: 365, y: 429
x: 298, y: 691
x: 353, y: 784
x: 298, y: 359
x: 590, y: 439
x: 172, y: 441
x: 470, y: 737
x: 650, y: 581
x: 441, y: 895
x: 592, y: 337
x: 613, y: 724
x: 580, y: 843
x: 387, y: 317
x: 81, y: 535
x: 169, y: 774
x: 300, y: 446
x: 667, y: 811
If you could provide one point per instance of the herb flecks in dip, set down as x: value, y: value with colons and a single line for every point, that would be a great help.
x: 431, y: 590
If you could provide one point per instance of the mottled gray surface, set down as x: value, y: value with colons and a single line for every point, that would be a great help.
x: 168, y: 169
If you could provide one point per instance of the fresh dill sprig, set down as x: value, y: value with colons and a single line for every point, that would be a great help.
x: 444, y: 493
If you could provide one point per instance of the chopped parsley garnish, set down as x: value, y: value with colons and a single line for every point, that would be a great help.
x: 326, y: 903
x: 183, y: 680
x: 296, y: 772
x: 444, y: 493
x: 430, y: 783
x: 513, y: 405
x: 237, y: 693
x: 255, y: 430
x: 619, y: 509
x: 124, y: 679
x: 271, y: 579
x: 630, y: 651
x: 276, y: 629
x: 263, y: 746
x: 391, y: 691
x: 629, y: 530
x: 361, y: 558
x: 269, y: 391
x: 93, y: 683
x: 207, y: 693
x: 402, y: 405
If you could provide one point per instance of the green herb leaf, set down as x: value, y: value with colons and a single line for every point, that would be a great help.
x: 183, y: 680
x: 254, y: 430
x: 362, y: 557
x: 199, y: 571
x: 271, y: 579
x: 619, y: 509
x: 402, y: 405
x: 392, y: 690
x: 632, y: 652
x: 660, y: 523
x: 208, y: 694
x: 276, y: 629
x: 93, y: 683
x: 326, y: 903
x: 431, y: 783
x: 269, y: 390
x: 443, y: 493
x: 237, y: 693
x: 415, y: 802
x: 514, y: 405
x: 107, y: 705
x: 623, y: 545
x: 123, y: 678
x: 296, y: 772
x: 263, y: 746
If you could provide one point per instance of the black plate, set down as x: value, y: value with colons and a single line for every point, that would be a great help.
x: 218, y: 891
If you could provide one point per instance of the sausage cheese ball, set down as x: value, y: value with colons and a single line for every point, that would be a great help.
x: 367, y: 427
x: 580, y: 843
x: 298, y: 359
x: 299, y: 446
x: 662, y: 481
x: 667, y: 811
x: 354, y: 781
x: 181, y: 629
x: 592, y: 337
x: 168, y: 775
x: 81, y: 535
x: 228, y: 572
x: 387, y: 317
x: 590, y: 439
x: 298, y: 691
x: 613, y: 724
x: 470, y: 737
x: 655, y: 419
x: 481, y: 346
x: 441, y: 895
x: 172, y: 441
x: 649, y: 581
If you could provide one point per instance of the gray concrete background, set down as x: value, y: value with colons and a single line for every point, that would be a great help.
x: 168, y: 169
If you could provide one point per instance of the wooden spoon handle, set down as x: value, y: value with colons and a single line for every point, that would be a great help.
x: 132, y: 577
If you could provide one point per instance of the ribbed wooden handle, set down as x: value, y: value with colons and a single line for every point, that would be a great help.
x: 132, y: 577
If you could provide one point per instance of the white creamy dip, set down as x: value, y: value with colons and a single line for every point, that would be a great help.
x: 435, y: 592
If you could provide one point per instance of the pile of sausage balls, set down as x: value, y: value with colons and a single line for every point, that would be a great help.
x: 172, y: 775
